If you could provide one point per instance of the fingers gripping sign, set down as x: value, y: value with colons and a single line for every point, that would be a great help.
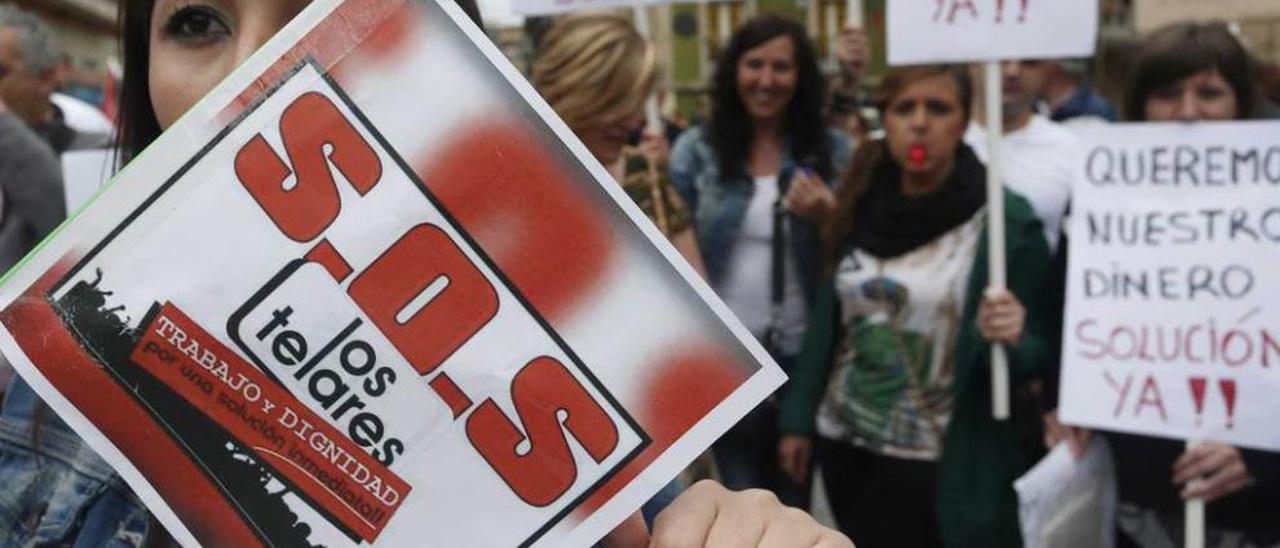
x: 1001, y: 317
x: 709, y: 515
x: 1210, y: 471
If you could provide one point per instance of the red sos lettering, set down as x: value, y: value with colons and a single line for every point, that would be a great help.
x: 541, y: 391
x: 300, y: 196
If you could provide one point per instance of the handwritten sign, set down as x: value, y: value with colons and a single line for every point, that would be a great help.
x: 1153, y: 14
x: 954, y: 31
x: 340, y: 304
x: 1172, y: 325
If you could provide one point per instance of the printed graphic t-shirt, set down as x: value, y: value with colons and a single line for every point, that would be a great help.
x: 890, y: 390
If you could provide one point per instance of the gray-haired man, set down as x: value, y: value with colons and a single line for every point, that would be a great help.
x: 31, y: 60
x: 31, y: 192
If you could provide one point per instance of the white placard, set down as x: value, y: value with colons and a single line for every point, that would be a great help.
x: 1173, y: 303
x: 371, y: 291
x: 954, y: 31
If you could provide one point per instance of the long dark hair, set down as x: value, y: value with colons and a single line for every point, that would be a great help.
x: 872, y: 156
x: 1182, y: 50
x: 731, y: 126
x: 136, y: 124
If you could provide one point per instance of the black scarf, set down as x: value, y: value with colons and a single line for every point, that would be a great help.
x: 890, y: 224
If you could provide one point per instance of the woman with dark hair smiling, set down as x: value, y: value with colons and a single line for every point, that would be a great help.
x: 58, y: 492
x: 756, y: 177
x: 1192, y: 72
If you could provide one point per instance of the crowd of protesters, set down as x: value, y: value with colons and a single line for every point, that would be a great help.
x: 860, y: 264
x: 858, y: 258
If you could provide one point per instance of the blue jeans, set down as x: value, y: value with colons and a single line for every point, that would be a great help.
x: 54, y: 490
x: 747, y: 455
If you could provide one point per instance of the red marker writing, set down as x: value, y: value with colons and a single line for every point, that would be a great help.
x: 917, y: 155
x: 1197, y: 395
x: 1228, y: 388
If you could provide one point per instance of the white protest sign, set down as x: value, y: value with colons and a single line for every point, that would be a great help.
x: 957, y: 31
x: 370, y: 291
x: 1173, y: 325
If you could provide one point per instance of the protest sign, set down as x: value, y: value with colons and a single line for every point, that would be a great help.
x: 1153, y: 14
x: 1172, y: 327
x: 955, y: 31
x: 371, y: 291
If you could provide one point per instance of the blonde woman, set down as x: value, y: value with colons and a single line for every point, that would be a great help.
x: 596, y: 71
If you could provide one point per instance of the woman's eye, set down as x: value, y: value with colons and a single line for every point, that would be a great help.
x: 196, y: 25
x: 1211, y: 92
x: 902, y: 109
x: 1167, y: 93
x: 938, y: 108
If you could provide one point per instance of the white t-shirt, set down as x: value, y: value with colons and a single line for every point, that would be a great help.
x: 1039, y: 163
x: 747, y: 284
x: 890, y: 391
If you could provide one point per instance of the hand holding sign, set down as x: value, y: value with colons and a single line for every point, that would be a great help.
x: 709, y: 515
x: 1173, y: 319
x: 1210, y: 470
x: 948, y: 31
x: 283, y: 332
x: 1001, y: 317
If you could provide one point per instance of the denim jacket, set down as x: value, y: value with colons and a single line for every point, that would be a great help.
x: 719, y: 206
x: 54, y: 490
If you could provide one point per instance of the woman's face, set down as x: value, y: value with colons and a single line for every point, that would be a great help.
x: 606, y: 136
x: 1205, y: 95
x: 195, y: 44
x: 767, y: 77
x: 924, y: 124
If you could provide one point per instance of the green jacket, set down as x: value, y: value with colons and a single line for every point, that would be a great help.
x: 977, y: 506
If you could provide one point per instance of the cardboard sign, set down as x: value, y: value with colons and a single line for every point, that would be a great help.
x: 958, y: 31
x: 534, y: 8
x: 1153, y: 14
x: 371, y: 291
x: 1172, y: 325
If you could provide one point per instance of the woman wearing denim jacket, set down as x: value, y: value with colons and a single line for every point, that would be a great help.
x: 55, y: 489
x: 764, y: 146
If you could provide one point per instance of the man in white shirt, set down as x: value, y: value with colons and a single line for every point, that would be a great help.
x: 1039, y: 155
